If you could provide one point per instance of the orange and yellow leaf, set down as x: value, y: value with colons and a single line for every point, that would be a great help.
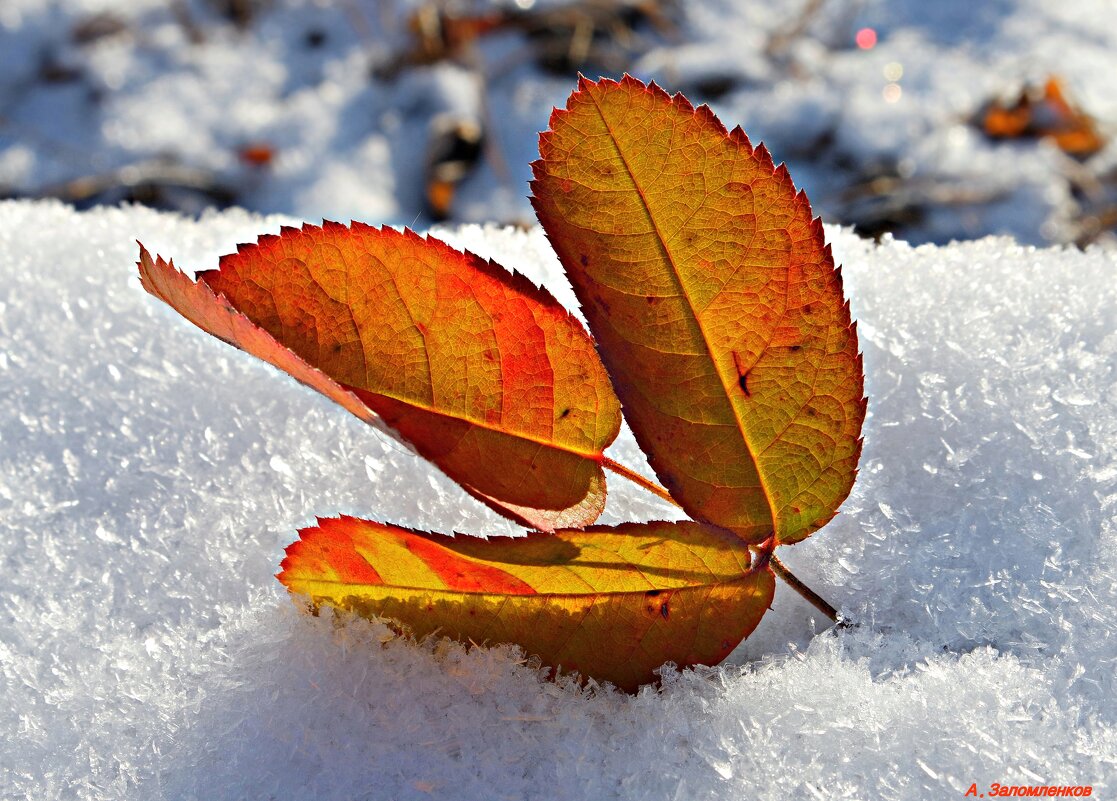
x: 715, y: 304
x: 481, y: 371
x: 611, y: 603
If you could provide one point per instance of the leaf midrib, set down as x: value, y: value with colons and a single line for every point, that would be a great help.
x: 662, y: 242
x: 738, y: 577
x: 595, y: 456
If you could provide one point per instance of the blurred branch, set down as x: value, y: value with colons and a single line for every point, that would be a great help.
x: 147, y: 182
x: 885, y: 203
x: 562, y: 37
x: 781, y: 40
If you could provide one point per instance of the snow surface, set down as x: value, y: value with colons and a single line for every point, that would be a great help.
x: 150, y: 477
x: 349, y: 142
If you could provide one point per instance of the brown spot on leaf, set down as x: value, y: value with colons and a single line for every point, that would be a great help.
x: 743, y: 369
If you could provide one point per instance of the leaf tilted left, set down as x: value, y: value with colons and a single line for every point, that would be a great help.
x: 481, y: 371
x: 611, y: 603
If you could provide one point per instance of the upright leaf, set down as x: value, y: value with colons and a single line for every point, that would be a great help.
x: 715, y: 304
x: 611, y: 603
x: 484, y: 373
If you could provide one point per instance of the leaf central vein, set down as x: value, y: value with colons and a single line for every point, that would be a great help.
x: 677, y: 277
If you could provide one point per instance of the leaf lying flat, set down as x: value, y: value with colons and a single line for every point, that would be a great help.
x: 715, y: 304
x: 484, y: 373
x: 610, y: 603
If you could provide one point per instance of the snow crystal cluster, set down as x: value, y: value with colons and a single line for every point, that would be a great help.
x: 150, y: 477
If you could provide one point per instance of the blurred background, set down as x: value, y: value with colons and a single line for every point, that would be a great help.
x: 929, y: 121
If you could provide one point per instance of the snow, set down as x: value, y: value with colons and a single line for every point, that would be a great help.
x: 180, y: 87
x: 150, y: 477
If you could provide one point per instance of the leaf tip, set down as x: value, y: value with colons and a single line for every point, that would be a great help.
x: 741, y: 139
x: 764, y: 158
x: 658, y: 92
x: 609, y: 83
x: 706, y: 116
x: 145, y: 263
x: 816, y: 228
x: 227, y: 260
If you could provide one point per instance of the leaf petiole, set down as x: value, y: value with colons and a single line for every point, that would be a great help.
x: 636, y: 478
x: 778, y: 567
x: 809, y: 595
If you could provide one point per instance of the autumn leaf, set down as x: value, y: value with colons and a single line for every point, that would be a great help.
x: 1046, y: 114
x: 613, y: 604
x: 715, y: 304
x: 719, y: 314
x: 481, y: 371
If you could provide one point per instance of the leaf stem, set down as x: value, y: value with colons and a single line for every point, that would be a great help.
x: 635, y: 477
x: 778, y: 567
x: 809, y: 595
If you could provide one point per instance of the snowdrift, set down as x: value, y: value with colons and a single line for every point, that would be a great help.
x: 150, y: 476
